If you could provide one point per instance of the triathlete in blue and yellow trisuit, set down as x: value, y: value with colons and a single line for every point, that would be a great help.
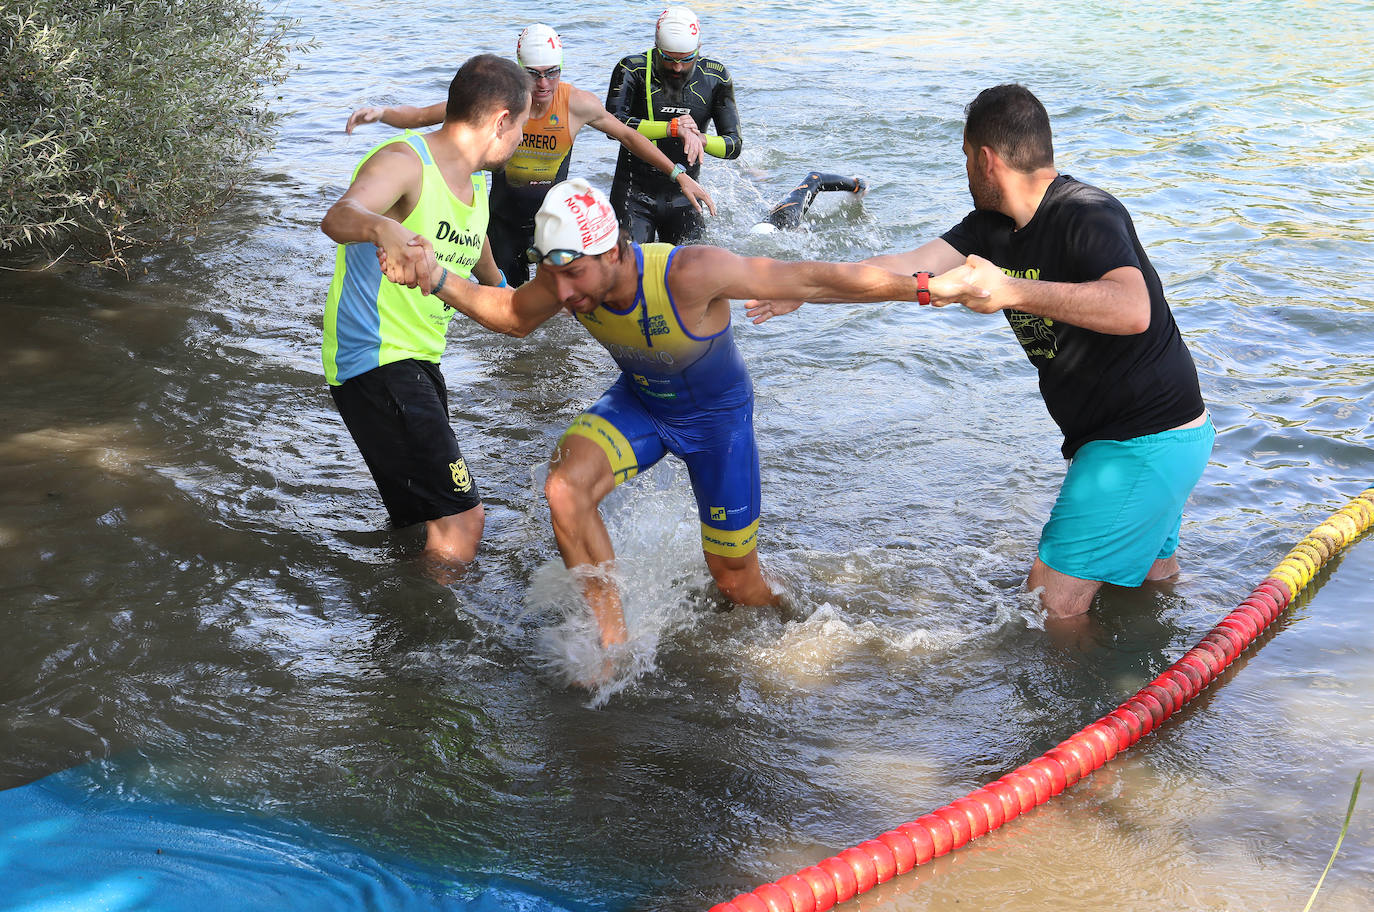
x: 418, y: 200
x: 663, y: 313
x: 558, y: 111
x: 678, y: 393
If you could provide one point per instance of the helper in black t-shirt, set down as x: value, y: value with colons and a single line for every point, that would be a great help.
x: 1097, y: 385
x: 1061, y: 259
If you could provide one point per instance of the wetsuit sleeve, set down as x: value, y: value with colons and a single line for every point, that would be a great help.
x: 653, y: 129
x: 627, y: 85
x: 727, y: 142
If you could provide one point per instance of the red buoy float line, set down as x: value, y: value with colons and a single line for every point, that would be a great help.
x: 860, y: 868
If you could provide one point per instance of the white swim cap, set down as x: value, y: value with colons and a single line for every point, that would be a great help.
x: 678, y: 31
x: 575, y: 216
x: 539, y: 46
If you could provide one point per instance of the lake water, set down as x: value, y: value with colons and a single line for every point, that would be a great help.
x: 202, y: 602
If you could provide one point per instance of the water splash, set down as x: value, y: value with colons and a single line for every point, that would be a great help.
x: 660, y: 575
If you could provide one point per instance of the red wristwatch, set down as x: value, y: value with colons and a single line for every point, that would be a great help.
x: 923, y: 287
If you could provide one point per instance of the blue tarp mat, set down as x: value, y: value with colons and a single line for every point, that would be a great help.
x: 64, y: 846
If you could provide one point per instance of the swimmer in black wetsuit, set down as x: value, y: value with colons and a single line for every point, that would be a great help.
x: 789, y: 212
x: 669, y: 94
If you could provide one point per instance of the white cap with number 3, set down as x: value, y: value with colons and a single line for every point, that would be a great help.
x: 678, y: 31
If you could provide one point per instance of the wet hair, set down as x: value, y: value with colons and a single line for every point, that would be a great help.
x: 484, y: 85
x: 1013, y: 123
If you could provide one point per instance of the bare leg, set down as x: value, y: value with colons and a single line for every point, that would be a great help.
x: 451, y: 541
x: 740, y: 579
x: 1064, y: 596
x: 1162, y: 569
x: 579, y: 479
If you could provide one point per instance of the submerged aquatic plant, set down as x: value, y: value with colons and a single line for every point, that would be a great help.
x: 1349, y: 812
x: 121, y: 120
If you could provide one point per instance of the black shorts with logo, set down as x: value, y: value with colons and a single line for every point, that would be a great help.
x: 398, y: 416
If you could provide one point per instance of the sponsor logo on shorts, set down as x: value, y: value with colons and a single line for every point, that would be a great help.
x: 462, y: 478
x: 718, y: 514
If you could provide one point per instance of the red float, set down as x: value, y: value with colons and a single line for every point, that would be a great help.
x: 1058, y: 778
x: 846, y: 885
x: 939, y: 831
x: 883, y: 861
x: 822, y: 886
x: 921, y: 841
x: 961, y: 831
x: 1015, y: 800
x: 748, y: 902
x: 774, y: 897
x: 992, y: 806
x: 803, y: 897
x: 858, y: 869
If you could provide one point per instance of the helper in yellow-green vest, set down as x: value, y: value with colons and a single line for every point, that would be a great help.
x: 417, y: 199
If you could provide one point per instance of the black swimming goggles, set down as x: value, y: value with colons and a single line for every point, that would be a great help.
x: 559, y: 257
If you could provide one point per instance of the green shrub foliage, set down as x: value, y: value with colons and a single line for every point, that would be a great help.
x: 123, y: 119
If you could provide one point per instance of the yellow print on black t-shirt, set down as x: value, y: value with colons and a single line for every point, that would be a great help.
x: 1035, y: 333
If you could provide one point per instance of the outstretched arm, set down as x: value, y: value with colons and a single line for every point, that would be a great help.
x: 936, y: 257
x: 410, y: 117
x: 514, y: 312
x: 586, y: 109
x: 709, y: 273
x: 1117, y: 304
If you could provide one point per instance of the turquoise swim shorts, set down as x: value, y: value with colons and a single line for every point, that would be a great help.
x: 1121, y: 504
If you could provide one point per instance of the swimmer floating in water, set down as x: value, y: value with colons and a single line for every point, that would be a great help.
x: 792, y: 209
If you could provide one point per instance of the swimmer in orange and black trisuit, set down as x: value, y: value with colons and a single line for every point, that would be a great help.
x: 789, y: 212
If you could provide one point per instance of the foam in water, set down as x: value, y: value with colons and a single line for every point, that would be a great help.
x: 902, y: 613
x: 658, y: 570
